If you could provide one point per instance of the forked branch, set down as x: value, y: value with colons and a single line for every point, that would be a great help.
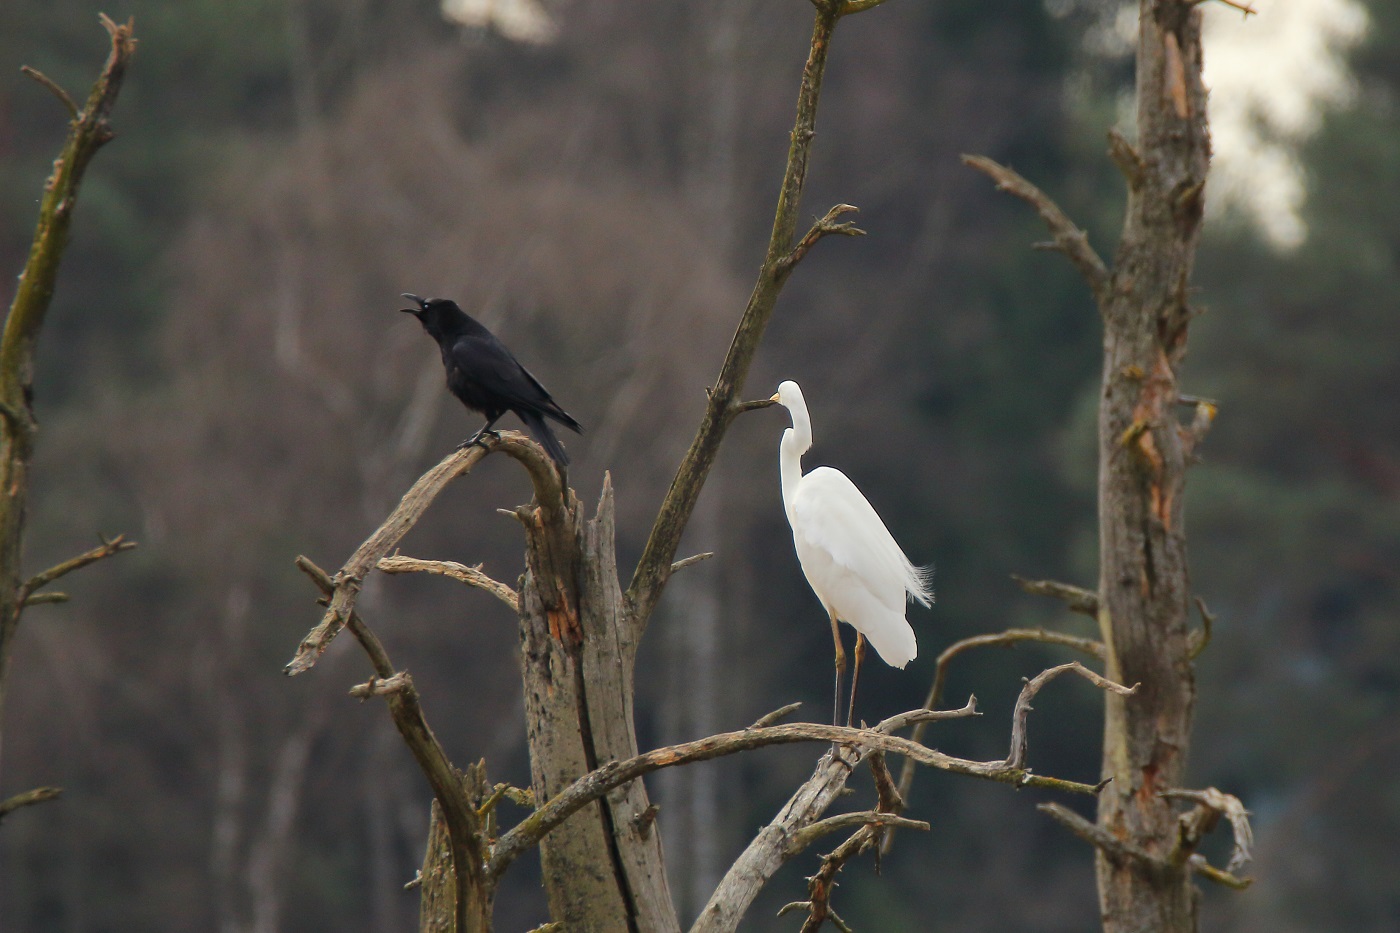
x: 27, y: 591
x: 772, y: 847
x: 1007, y: 638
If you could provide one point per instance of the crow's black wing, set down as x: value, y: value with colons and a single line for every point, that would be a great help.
x: 497, y: 377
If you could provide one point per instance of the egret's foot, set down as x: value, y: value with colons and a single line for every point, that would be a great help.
x: 479, y: 440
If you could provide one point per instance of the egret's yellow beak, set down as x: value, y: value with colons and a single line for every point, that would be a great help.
x: 774, y: 397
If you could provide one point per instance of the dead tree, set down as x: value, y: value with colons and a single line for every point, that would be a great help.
x: 1146, y: 847
x: 580, y: 630
x: 88, y: 132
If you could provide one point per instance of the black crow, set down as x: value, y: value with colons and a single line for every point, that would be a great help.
x: 487, y: 377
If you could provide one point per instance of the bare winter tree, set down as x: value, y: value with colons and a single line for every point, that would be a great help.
x: 88, y: 132
x: 598, y: 832
x: 1146, y: 847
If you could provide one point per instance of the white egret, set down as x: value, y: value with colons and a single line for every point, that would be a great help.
x: 849, y: 557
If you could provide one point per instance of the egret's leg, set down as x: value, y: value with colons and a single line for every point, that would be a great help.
x: 855, y: 677
x: 840, y: 669
x: 475, y: 439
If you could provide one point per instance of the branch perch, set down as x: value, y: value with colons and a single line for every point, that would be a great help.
x: 771, y: 848
x: 1010, y: 637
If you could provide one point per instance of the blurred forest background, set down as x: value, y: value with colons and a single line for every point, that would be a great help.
x: 225, y: 379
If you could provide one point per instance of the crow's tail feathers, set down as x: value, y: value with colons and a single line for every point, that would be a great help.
x: 563, y: 417
x: 542, y: 433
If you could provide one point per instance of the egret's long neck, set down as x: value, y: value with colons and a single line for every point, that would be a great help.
x: 796, y: 440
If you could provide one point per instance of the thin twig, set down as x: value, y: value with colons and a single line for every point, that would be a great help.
x: 810, y: 834
x: 825, y: 227
x: 1199, y: 640
x: 39, y: 599
x: 40, y: 580
x: 1206, y: 870
x: 1076, y: 598
x: 1096, y: 835
x: 776, y: 716
x: 382, y: 686
x: 472, y: 576
x: 28, y: 799
x: 1193, y: 434
x: 1069, y: 239
x: 1126, y: 157
x: 692, y: 559
x: 54, y: 87
x: 459, y: 816
x: 758, y: 404
x: 1016, y: 758
x: 820, y: 885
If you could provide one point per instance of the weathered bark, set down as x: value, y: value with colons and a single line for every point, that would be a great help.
x: 437, y: 905
x: 1144, y: 588
x: 577, y: 656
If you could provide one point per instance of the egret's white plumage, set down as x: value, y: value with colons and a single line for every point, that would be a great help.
x: 849, y: 557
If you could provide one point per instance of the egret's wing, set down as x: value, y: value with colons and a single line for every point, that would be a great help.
x: 832, y: 516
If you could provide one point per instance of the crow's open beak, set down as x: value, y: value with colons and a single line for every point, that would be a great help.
x: 416, y: 300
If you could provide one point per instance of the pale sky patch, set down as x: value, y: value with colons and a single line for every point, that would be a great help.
x: 517, y: 20
x: 1271, y: 76
x: 1271, y: 79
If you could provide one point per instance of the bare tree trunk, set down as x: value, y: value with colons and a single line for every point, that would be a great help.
x: 578, y: 649
x: 1144, y: 587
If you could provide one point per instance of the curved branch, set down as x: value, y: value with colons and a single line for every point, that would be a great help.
x: 472, y: 576
x: 598, y: 782
x: 1012, y: 636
